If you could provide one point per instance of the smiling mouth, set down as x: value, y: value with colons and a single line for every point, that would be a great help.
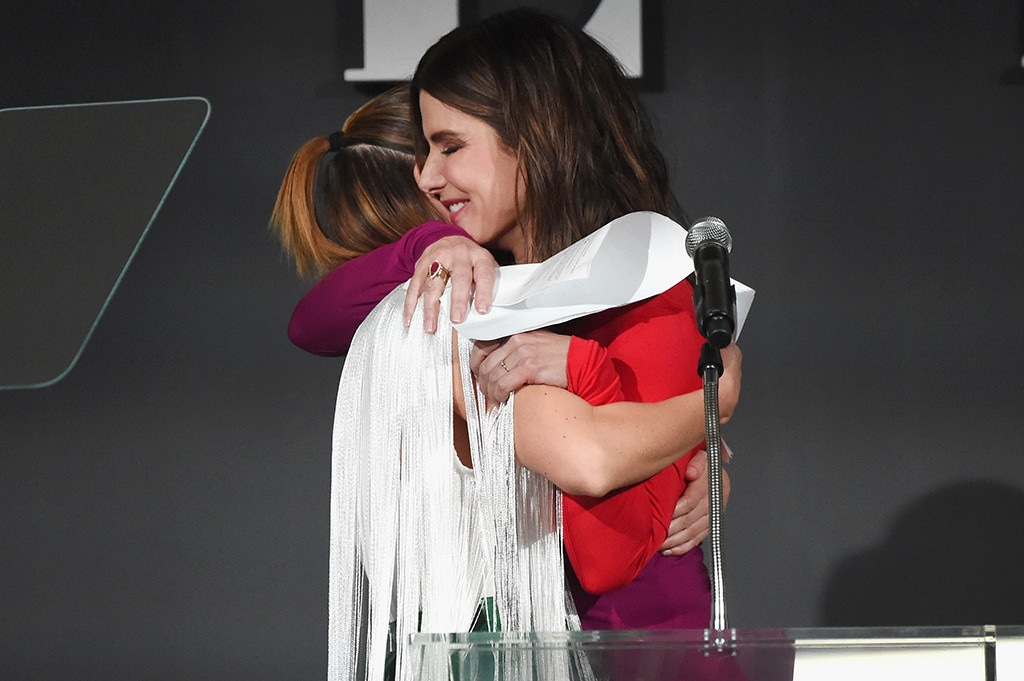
x: 456, y: 207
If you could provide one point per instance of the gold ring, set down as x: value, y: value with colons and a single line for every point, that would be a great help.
x: 502, y: 363
x: 438, y: 271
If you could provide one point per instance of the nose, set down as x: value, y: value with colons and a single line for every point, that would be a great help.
x: 428, y: 177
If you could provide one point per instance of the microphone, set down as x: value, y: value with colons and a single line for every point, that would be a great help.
x: 708, y: 242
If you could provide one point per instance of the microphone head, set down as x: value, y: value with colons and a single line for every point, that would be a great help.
x: 709, y: 229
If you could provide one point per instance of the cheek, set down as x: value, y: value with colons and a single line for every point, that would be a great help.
x: 512, y: 191
x: 504, y: 176
x: 457, y: 173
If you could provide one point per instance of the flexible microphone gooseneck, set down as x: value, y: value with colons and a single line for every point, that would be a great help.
x: 708, y: 242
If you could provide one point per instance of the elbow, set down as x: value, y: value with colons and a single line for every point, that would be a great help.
x: 601, y: 472
x: 301, y: 338
x: 309, y: 337
x: 592, y: 484
x: 574, y: 459
x: 591, y: 477
x: 298, y: 336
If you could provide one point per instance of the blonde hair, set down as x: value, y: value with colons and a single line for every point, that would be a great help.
x: 361, y: 197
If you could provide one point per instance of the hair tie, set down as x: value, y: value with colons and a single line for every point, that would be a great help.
x: 337, y: 141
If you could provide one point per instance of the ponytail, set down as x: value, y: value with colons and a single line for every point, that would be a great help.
x: 295, y: 216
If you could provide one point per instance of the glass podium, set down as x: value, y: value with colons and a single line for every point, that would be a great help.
x: 983, y: 653
x: 79, y: 186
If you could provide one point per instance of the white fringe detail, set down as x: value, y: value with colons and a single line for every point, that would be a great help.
x: 417, y: 539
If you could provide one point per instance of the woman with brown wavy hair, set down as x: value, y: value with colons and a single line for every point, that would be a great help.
x: 559, y: 102
x: 530, y: 135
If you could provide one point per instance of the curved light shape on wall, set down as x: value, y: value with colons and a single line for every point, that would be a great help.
x: 79, y: 187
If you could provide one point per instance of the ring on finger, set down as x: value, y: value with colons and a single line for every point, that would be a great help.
x: 503, y: 365
x: 438, y: 271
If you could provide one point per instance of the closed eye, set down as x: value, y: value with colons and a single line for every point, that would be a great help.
x: 448, y: 140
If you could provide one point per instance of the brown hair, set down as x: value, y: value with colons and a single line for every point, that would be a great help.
x: 560, y: 102
x: 363, y: 196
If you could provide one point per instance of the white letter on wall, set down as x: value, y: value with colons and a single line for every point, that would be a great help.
x: 396, y: 33
x: 618, y: 26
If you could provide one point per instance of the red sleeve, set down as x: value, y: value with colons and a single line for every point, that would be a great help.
x: 609, y: 540
x: 591, y: 373
x: 327, y: 317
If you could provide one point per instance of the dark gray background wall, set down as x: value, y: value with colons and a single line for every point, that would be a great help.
x: 164, y: 508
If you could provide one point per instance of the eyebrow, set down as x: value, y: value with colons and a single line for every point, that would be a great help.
x: 443, y: 135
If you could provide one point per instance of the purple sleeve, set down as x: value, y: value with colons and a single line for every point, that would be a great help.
x: 327, y: 317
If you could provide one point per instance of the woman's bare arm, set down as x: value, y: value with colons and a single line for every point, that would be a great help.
x: 593, y: 450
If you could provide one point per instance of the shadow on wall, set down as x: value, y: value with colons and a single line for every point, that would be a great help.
x: 955, y: 558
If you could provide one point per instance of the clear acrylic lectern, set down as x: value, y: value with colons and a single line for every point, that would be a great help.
x: 982, y: 653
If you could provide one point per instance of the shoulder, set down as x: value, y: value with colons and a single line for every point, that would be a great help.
x: 674, y: 304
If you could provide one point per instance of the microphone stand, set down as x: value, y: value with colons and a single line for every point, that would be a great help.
x: 708, y: 242
x: 710, y: 367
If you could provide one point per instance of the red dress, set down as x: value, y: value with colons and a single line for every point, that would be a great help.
x: 612, y: 543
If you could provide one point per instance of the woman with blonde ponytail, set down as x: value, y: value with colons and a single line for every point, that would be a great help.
x: 345, y: 195
x: 348, y: 193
